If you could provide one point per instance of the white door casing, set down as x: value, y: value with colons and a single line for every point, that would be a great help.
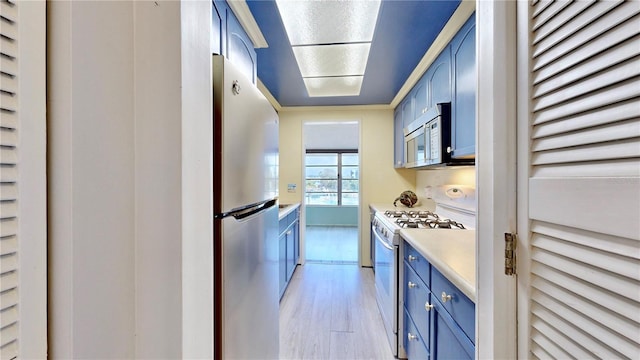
x: 23, y: 216
x: 578, y: 179
x: 496, y: 178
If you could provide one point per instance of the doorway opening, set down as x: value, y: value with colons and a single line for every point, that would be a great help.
x: 331, y: 191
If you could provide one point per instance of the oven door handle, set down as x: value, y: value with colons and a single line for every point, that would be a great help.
x: 379, y: 238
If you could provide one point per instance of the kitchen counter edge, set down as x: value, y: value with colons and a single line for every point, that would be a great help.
x: 287, y: 210
x: 452, y: 252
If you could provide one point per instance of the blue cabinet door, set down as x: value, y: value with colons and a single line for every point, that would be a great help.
x: 463, y: 112
x: 283, y: 263
x: 419, y: 96
x: 440, y: 78
x: 398, y: 138
x: 407, y: 111
x: 240, y: 49
x: 229, y: 39
x: 449, y: 341
x: 218, y: 28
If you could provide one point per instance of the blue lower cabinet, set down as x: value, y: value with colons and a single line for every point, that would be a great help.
x: 415, y: 297
x: 439, y: 320
x: 289, y: 248
x: 414, y: 343
x: 457, y: 304
x: 450, y: 342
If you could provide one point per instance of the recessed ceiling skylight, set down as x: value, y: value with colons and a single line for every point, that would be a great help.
x: 332, y: 60
x: 340, y: 32
x: 328, y: 22
x: 333, y: 86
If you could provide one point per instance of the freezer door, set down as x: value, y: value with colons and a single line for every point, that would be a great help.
x: 245, y: 140
x: 249, y: 303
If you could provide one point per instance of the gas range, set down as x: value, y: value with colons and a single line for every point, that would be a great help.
x: 421, y: 219
x: 389, y: 223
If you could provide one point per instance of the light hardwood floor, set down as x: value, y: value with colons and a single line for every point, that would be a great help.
x: 333, y: 244
x: 330, y: 312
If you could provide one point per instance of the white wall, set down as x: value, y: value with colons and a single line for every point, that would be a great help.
x: 128, y: 87
x: 380, y: 182
x: 91, y: 179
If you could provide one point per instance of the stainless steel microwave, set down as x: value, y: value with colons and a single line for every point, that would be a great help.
x: 426, y: 139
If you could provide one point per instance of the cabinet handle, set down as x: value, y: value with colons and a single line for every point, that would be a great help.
x: 445, y: 297
x: 428, y: 306
x: 412, y: 258
x: 411, y: 285
x: 449, y: 150
x: 410, y: 337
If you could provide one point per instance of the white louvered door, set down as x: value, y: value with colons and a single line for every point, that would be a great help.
x: 8, y: 182
x: 22, y: 180
x: 579, y: 202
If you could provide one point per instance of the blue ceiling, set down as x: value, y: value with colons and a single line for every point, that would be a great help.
x: 404, y: 33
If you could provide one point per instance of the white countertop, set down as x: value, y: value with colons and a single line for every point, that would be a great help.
x: 287, y: 210
x: 452, y: 252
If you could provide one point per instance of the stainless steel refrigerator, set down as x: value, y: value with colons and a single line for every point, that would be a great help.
x: 245, y: 227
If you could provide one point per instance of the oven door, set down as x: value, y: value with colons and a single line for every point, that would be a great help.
x: 386, y: 279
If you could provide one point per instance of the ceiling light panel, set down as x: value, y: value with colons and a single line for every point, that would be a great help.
x: 328, y: 22
x: 332, y: 60
x: 333, y: 86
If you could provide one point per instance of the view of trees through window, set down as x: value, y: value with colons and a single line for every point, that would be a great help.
x: 331, y: 177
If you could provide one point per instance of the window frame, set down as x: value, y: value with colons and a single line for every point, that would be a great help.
x: 339, y: 177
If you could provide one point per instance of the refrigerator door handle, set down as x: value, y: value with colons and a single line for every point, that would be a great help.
x: 249, y: 210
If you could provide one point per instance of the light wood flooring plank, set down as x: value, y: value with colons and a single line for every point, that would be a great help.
x: 330, y: 312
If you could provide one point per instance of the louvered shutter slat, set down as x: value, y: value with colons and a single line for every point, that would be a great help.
x: 8, y: 191
x: 8, y: 84
x: 614, y: 132
x: 619, y: 111
x: 8, y: 11
x: 9, y: 316
x: 8, y: 119
x: 8, y: 173
x: 8, y: 210
x: 9, y: 281
x: 630, y: 89
x: 8, y: 227
x: 8, y: 156
x: 8, y: 47
x: 8, y: 137
x: 8, y: 102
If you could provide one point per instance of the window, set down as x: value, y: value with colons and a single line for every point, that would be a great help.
x: 331, y: 177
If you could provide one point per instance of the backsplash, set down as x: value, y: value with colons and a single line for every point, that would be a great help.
x: 464, y: 175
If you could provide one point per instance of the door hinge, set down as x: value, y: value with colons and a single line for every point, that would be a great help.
x: 510, y: 254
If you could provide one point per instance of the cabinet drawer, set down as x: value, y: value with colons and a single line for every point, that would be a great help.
x: 416, y: 295
x: 418, y: 263
x: 414, y: 343
x: 458, y: 305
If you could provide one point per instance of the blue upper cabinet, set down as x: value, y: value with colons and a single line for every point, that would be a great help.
x: 218, y: 36
x: 439, y: 78
x: 420, y: 94
x: 398, y: 138
x: 229, y: 39
x: 463, y: 109
x: 407, y: 110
